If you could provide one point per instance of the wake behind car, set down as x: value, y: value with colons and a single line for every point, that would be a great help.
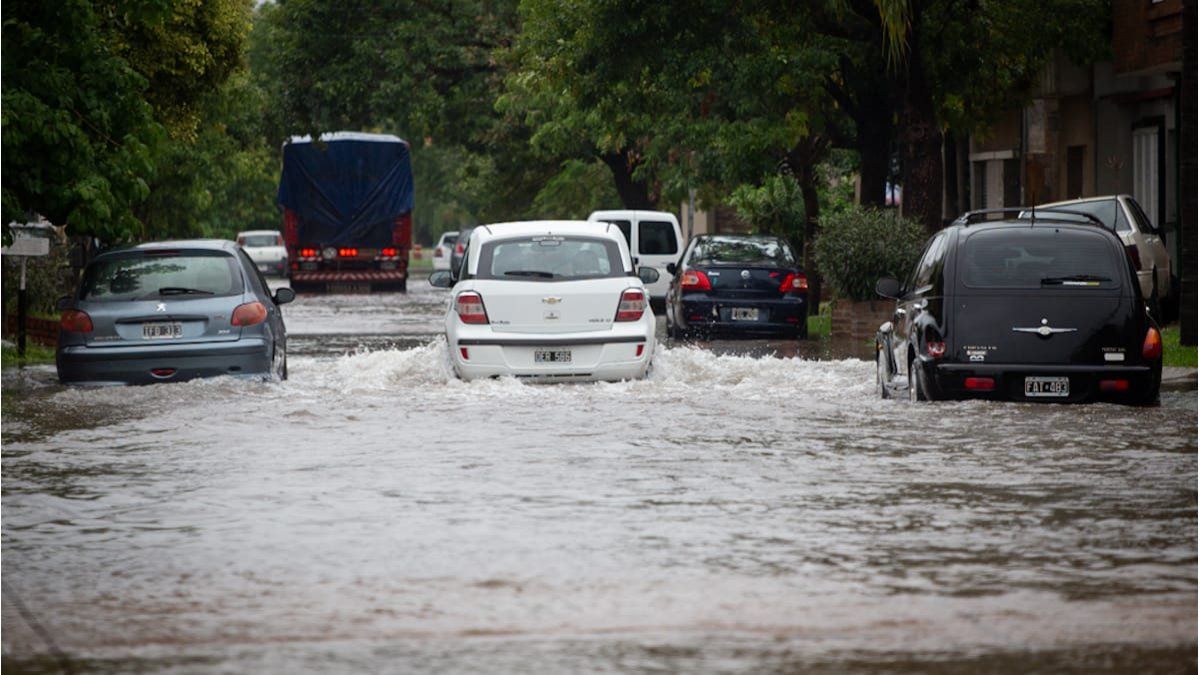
x: 737, y: 284
x: 172, y: 311
x: 266, y: 249
x: 551, y: 301
x: 1042, y: 309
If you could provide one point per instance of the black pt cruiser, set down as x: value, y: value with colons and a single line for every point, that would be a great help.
x: 1041, y: 310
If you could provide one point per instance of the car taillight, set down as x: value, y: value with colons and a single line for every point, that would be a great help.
x: 308, y: 252
x: 1152, y: 345
x: 794, y: 283
x: 695, y: 280
x: 458, y: 248
x: 632, y: 306
x: 469, y: 306
x: 980, y: 383
x: 438, y: 252
x: 391, y: 252
x: 249, y: 314
x: 1134, y: 257
x: 347, y: 253
x: 1114, y: 385
x: 76, y: 321
x: 935, y: 349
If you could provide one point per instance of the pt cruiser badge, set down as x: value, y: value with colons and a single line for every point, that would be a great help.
x: 1044, y: 330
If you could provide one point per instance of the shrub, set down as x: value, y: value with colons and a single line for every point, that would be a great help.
x: 776, y: 207
x: 857, y: 246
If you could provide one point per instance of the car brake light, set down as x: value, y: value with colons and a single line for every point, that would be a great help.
x: 794, y: 283
x: 641, y: 349
x: 458, y: 248
x: 1152, y: 345
x: 1114, y: 385
x: 76, y: 321
x: 465, y: 354
x: 438, y: 252
x: 935, y: 349
x: 695, y: 280
x: 347, y: 253
x: 249, y: 314
x: 980, y: 383
x: 632, y: 305
x: 470, y: 308
x: 1134, y: 257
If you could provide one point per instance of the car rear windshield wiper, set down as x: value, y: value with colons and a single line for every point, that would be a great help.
x: 180, y: 290
x: 1074, y: 279
x: 529, y: 273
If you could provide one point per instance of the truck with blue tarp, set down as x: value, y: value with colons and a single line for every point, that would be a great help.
x: 347, y: 202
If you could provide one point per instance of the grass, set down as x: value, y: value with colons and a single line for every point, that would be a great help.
x: 1176, y: 355
x: 34, y: 354
x: 819, y: 325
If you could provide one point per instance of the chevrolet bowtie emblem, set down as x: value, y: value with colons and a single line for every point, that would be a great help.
x: 162, y: 307
x: 1044, y: 330
x: 551, y: 300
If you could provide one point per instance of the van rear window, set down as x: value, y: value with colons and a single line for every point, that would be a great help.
x: 657, y: 237
x: 1040, y: 258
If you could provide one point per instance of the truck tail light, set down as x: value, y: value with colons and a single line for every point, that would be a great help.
x: 347, y: 253
x: 794, y: 283
x: 695, y: 280
x: 632, y: 305
x: 390, y: 252
x: 309, y: 253
x: 1134, y: 257
x: 469, y: 306
x: 76, y: 321
x: 249, y: 314
x: 1152, y: 345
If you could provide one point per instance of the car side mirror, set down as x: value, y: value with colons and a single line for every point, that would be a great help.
x: 888, y: 288
x: 284, y: 295
x: 671, y: 268
x: 441, y: 279
x: 64, y: 303
x: 648, y: 275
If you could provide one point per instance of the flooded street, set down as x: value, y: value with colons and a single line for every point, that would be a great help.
x: 737, y: 511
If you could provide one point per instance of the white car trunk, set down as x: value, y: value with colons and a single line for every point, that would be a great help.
x: 551, y: 306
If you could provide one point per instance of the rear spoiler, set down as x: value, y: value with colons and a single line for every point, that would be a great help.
x: 979, y: 215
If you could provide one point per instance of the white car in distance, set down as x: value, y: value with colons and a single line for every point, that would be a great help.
x: 549, y: 301
x: 443, y: 249
x: 266, y: 249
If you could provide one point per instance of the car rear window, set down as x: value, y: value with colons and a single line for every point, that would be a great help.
x: 550, y: 258
x: 742, y: 251
x: 657, y: 237
x: 449, y: 239
x: 1040, y: 257
x: 148, y: 276
x: 260, y: 240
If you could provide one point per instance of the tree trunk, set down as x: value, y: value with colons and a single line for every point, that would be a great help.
x: 873, y: 131
x: 803, y: 160
x: 920, y: 141
x: 950, y: 158
x: 635, y: 194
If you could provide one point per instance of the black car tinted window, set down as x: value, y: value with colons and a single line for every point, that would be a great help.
x: 742, y: 251
x: 550, y: 258
x: 657, y: 237
x: 930, y: 266
x: 1040, y: 257
x: 139, y: 275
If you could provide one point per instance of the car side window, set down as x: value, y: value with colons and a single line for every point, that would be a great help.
x: 1142, y: 219
x: 929, y: 266
x: 657, y: 237
x: 257, y: 282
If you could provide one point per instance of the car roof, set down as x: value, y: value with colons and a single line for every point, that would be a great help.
x: 1025, y: 224
x: 1084, y: 200
x: 246, y: 232
x: 557, y: 227
x: 335, y: 136
x: 203, y: 244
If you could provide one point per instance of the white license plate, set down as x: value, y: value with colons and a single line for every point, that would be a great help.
x: 162, y: 331
x: 744, y: 314
x: 264, y: 268
x: 552, y: 356
x: 1048, y: 386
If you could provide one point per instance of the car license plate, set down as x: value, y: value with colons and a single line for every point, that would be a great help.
x: 264, y: 268
x: 162, y: 331
x: 744, y: 313
x: 552, y: 356
x: 1048, y: 386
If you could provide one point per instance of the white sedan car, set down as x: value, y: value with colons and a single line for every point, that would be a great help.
x: 266, y: 249
x: 549, y: 300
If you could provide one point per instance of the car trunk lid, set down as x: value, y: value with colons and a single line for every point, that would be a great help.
x: 551, y: 307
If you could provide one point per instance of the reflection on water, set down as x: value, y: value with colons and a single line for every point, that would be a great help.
x: 737, y: 510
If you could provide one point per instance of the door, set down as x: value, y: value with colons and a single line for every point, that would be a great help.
x: 923, y: 286
x: 656, y: 242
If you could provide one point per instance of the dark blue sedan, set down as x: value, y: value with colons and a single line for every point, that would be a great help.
x: 737, y: 284
x: 172, y: 311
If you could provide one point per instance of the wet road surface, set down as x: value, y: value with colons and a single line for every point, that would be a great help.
x: 744, y: 509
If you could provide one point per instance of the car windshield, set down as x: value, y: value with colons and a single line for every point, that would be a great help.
x: 742, y: 251
x: 144, y: 276
x: 550, y: 258
x: 1042, y: 257
x: 1104, y: 209
x: 260, y: 240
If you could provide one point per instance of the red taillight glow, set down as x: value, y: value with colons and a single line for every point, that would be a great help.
x: 632, y: 306
x: 162, y: 372
x: 391, y: 252
x: 794, y: 283
x: 1114, y: 385
x: 347, y: 253
x: 980, y: 383
x: 641, y: 349
x: 935, y: 349
x: 1134, y: 256
x: 438, y: 252
x: 308, y: 253
x: 249, y: 314
x: 458, y: 248
x: 465, y: 355
x: 695, y: 280
x: 1152, y: 345
x: 469, y: 306
x: 76, y: 321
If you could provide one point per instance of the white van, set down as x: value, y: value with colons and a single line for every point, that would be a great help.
x: 654, y: 241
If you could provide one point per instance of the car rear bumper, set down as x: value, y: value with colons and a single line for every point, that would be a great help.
x: 594, y: 356
x: 715, y: 315
x: 949, y: 381
x: 135, y: 364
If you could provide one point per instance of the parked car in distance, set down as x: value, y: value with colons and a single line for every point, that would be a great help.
x: 443, y: 250
x: 460, y: 247
x: 737, y: 284
x: 1144, y: 243
x: 654, y: 240
x: 267, y: 249
x: 549, y: 301
x: 172, y: 311
x: 1047, y: 309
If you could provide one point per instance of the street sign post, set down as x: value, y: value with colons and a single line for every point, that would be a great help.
x: 28, y: 241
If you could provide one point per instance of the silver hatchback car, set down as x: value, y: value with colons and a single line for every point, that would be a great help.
x: 172, y: 311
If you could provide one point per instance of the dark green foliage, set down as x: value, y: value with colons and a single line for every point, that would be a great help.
x: 861, y: 244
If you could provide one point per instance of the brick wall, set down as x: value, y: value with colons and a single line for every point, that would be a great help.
x: 42, y: 331
x: 857, y: 322
x: 1146, y: 34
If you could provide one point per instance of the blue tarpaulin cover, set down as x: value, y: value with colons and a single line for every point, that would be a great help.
x: 347, y: 189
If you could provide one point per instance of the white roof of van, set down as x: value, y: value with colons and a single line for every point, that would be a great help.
x: 349, y: 136
x: 630, y: 214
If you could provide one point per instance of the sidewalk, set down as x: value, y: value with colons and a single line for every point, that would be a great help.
x: 1179, y: 379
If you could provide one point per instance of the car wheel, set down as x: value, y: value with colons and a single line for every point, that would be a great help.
x: 916, y: 389
x: 279, y: 363
x: 881, y: 374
